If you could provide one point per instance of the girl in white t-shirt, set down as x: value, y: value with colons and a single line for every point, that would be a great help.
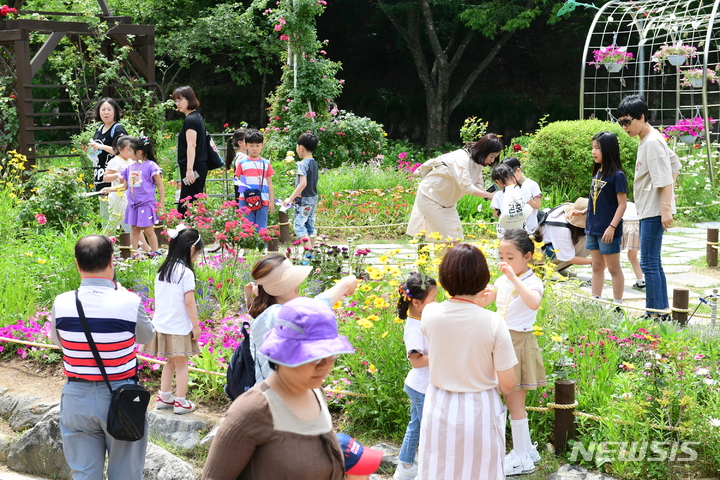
x: 510, y: 203
x: 417, y: 291
x: 176, y: 320
x: 117, y: 201
x: 518, y: 296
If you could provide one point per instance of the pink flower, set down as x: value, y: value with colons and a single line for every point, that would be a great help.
x: 402, y: 156
x: 41, y: 219
x: 278, y: 27
x: 284, y: 38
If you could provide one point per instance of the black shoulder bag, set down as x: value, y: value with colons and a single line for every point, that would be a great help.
x: 128, y: 404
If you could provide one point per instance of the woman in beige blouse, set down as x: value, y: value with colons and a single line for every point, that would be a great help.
x: 445, y: 180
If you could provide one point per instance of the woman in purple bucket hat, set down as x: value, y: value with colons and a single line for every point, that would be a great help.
x: 281, y: 428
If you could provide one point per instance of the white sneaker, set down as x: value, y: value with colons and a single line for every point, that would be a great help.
x: 406, y: 473
x: 534, y: 454
x: 180, y: 409
x: 514, y: 465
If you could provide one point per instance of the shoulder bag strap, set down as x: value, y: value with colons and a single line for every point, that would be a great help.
x: 91, y: 342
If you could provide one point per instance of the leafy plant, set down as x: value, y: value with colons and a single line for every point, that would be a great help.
x: 473, y: 128
x: 687, y: 126
x: 611, y: 54
x: 665, y: 51
x: 697, y: 74
x: 560, y: 155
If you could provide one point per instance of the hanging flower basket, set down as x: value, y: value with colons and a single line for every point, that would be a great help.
x: 675, y: 54
x: 687, y: 129
x: 694, y: 77
x: 614, y: 58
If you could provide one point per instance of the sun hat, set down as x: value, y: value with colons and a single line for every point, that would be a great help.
x: 577, y: 220
x: 359, y: 460
x: 284, y: 278
x: 305, y: 331
x: 514, y: 209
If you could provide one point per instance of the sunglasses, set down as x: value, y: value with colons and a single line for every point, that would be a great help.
x: 625, y: 122
x: 329, y: 359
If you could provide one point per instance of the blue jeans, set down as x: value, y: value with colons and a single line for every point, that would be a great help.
x: 412, y: 434
x: 651, y: 233
x: 304, y: 225
x: 259, y: 217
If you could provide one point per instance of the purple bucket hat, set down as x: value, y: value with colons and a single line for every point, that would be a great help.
x: 305, y: 331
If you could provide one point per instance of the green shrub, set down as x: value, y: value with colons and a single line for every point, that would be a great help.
x: 560, y: 155
x: 345, y: 138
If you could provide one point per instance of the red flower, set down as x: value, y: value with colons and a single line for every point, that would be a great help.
x: 226, y: 125
x: 697, y: 146
x: 277, y: 118
x: 517, y: 148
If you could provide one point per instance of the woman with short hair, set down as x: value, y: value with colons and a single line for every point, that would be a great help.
x: 192, y: 150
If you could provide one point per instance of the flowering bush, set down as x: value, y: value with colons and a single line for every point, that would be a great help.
x: 473, y: 128
x: 686, y: 126
x: 611, y: 54
x: 665, y: 51
x: 6, y: 11
x: 697, y: 74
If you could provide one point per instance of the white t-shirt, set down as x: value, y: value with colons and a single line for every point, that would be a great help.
x: 239, y: 157
x: 468, y: 344
x: 654, y: 168
x: 417, y: 378
x: 630, y: 214
x: 498, y: 202
x: 171, y: 315
x: 518, y: 316
x: 532, y: 187
x: 560, y: 237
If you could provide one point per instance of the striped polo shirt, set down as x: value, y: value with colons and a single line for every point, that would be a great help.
x: 113, y: 316
x: 250, y: 172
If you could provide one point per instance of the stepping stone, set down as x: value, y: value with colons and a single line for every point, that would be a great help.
x: 690, y: 254
x: 680, y: 259
x: 675, y: 268
x: 708, y: 225
x: 673, y: 239
x: 692, y: 245
x: 686, y: 230
x: 666, y: 249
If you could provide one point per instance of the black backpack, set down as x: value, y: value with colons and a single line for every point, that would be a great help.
x: 542, y: 217
x: 241, y: 370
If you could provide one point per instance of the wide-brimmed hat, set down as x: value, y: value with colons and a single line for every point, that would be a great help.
x: 359, y: 460
x: 577, y: 220
x: 305, y: 331
x: 284, y: 278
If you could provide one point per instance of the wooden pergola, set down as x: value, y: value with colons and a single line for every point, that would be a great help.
x: 21, y: 65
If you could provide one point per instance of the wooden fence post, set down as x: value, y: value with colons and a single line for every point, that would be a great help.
x: 284, y: 227
x: 681, y: 300
x: 564, y: 418
x: 274, y: 245
x: 711, y: 253
x: 125, y: 248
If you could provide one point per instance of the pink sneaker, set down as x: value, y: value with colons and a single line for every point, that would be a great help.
x: 181, y: 409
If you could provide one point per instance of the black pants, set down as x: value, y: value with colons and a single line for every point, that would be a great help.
x: 195, y: 188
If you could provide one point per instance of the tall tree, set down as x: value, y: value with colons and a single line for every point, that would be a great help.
x: 438, y: 34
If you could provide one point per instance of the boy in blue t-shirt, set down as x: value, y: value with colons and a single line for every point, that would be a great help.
x: 305, y: 196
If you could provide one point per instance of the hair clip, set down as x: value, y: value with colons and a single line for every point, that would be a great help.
x: 196, y: 241
x: 173, y: 232
x: 404, y: 291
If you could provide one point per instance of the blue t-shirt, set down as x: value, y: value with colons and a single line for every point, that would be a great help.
x: 308, y: 168
x: 603, y: 203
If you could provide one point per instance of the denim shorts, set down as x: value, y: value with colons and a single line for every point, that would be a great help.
x: 594, y: 242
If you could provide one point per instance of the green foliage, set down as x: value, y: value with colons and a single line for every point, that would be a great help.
x: 560, y: 155
x: 56, y: 197
x: 473, y: 128
x: 9, y: 123
x: 696, y: 195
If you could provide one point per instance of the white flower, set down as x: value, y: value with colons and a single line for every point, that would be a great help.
x: 709, y: 381
x: 626, y: 396
x: 702, y: 371
x: 715, y: 422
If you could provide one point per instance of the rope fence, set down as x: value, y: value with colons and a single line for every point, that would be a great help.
x: 547, y: 408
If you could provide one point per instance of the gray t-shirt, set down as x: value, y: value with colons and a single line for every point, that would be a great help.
x: 308, y: 168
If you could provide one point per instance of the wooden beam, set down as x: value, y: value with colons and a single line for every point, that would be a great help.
x: 9, y: 36
x: 75, y: 28
x: 24, y: 100
x: 104, y: 8
x: 133, y: 55
x: 42, y: 55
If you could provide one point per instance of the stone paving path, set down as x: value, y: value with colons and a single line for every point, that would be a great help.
x: 681, y: 246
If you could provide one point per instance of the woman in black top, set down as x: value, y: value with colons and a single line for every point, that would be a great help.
x: 108, y: 112
x: 192, y: 150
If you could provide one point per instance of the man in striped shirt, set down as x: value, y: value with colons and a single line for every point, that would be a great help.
x: 117, y: 320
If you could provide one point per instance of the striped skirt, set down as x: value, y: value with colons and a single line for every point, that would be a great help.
x: 462, y: 436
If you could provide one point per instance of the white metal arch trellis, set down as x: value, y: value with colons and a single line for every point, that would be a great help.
x: 643, y: 27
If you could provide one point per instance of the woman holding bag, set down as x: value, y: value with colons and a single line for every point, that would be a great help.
x: 192, y: 151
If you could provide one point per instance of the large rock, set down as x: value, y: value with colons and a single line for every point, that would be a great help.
x: 208, y: 439
x: 390, y: 453
x: 26, y: 416
x: 576, y: 472
x: 39, y: 450
x: 163, y: 465
x: 182, y: 431
x: 9, y: 403
x: 5, y: 446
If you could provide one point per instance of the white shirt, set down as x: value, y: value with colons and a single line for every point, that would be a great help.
x: 171, y: 315
x: 532, y: 187
x: 630, y: 214
x: 417, y: 378
x: 497, y: 203
x: 560, y: 237
x: 510, y: 305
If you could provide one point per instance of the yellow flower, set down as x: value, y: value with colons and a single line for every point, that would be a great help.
x: 42, y: 261
x: 365, y: 323
x: 385, y: 334
x: 383, y: 258
x: 414, y: 241
x: 420, y: 261
x: 537, y: 333
x: 435, y: 236
x: 398, y: 320
x: 376, y: 275
x: 374, y: 318
x: 379, y: 302
x: 338, y: 304
x: 365, y: 288
x: 29, y: 254
x: 556, y: 338
x: 629, y: 366
x: 372, y: 368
